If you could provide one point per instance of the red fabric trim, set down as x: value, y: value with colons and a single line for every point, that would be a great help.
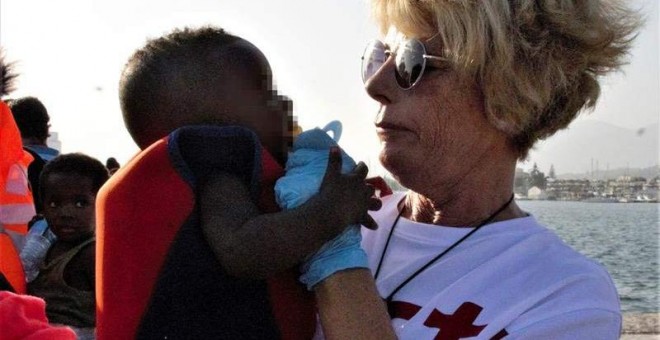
x: 134, y: 236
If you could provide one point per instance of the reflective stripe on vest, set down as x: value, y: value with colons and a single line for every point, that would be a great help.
x: 17, y: 213
x: 16, y: 204
x: 17, y: 180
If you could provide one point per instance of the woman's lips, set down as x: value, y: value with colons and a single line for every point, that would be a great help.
x: 384, y: 129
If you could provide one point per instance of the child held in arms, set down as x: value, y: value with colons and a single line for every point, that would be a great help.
x: 209, y: 254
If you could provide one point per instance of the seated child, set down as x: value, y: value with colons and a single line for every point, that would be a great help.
x: 68, y: 185
x: 204, y: 251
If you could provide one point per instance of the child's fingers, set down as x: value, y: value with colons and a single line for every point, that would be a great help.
x: 380, y: 185
x: 371, y: 191
x: 361, y: 170
x: 374, y: 204
x: 369, y: 222
x: 334, y: 162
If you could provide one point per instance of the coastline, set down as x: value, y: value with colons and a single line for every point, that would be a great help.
x: 641, y: 326
x: 591, y: 200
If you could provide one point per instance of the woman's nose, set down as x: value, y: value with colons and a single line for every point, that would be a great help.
x: 382, y: 84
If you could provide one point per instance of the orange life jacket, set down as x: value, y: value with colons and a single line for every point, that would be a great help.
x: 16, y: 204
x: 156, y: 275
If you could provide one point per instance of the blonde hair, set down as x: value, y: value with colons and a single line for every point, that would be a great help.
x: 537, y: 62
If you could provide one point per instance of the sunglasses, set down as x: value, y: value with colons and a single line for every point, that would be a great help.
x: 410, y: 61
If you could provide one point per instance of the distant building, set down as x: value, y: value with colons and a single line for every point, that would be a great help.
x: 536, y: 193
x: 624, y: 188
x: 650, y: 189
x: 54, y: 142
x: 569, y: 189
x: 627, y: 187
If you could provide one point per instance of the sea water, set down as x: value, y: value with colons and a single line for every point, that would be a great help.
x: 623, y: 237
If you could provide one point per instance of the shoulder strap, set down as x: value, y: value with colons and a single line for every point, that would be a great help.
x: 63, y: 259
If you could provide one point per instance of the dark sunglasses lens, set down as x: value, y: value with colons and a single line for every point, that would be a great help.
x: 410, y: 63
x: 373, y: 58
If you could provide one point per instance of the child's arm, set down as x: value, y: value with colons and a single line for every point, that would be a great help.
x: 248, y: 244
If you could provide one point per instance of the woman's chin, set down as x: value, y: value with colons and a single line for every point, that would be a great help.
x: 407, y: 167
x: 394, y: 162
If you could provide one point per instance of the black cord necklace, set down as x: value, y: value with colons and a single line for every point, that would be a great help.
x: 437, y: 257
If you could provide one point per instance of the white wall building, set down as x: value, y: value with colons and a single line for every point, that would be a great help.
x: 535, y: 193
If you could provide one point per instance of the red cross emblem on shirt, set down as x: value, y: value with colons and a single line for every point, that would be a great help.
x: 450, y: 326
x: 457, y: 325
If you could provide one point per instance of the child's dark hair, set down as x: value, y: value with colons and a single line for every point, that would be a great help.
x: 182, y: 75
x: 77, y: 164
x: 187, y: 53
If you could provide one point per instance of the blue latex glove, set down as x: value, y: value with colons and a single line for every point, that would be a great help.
x: 342, y: 252
x: 305, y: 169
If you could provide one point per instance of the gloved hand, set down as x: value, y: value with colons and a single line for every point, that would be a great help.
x: 342, y: 252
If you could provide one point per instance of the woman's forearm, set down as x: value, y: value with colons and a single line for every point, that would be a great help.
x: 350, y: 307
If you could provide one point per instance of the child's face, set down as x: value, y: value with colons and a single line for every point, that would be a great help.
x: 275, y: 127
x: 69, y: 206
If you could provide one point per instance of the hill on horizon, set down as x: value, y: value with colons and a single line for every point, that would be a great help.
x: 591, y: 146
x: 647, y: 173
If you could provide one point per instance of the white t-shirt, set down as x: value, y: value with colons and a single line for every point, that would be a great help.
x: 513, y: 278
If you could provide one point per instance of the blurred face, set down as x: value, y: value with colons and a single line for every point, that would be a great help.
x: 69, y: 206
x: 275, y: 126
x: 258, y: 107
x: 436, y: 132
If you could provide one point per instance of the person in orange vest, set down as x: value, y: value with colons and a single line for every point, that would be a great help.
x: 16, y: 203
x: 32, y: 119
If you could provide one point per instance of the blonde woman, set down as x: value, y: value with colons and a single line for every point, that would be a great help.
x: 466, y: 88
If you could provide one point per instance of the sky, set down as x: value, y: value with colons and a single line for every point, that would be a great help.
x: 69, y: 53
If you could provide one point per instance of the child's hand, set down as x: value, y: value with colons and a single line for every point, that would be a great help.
x: 348, y: 196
